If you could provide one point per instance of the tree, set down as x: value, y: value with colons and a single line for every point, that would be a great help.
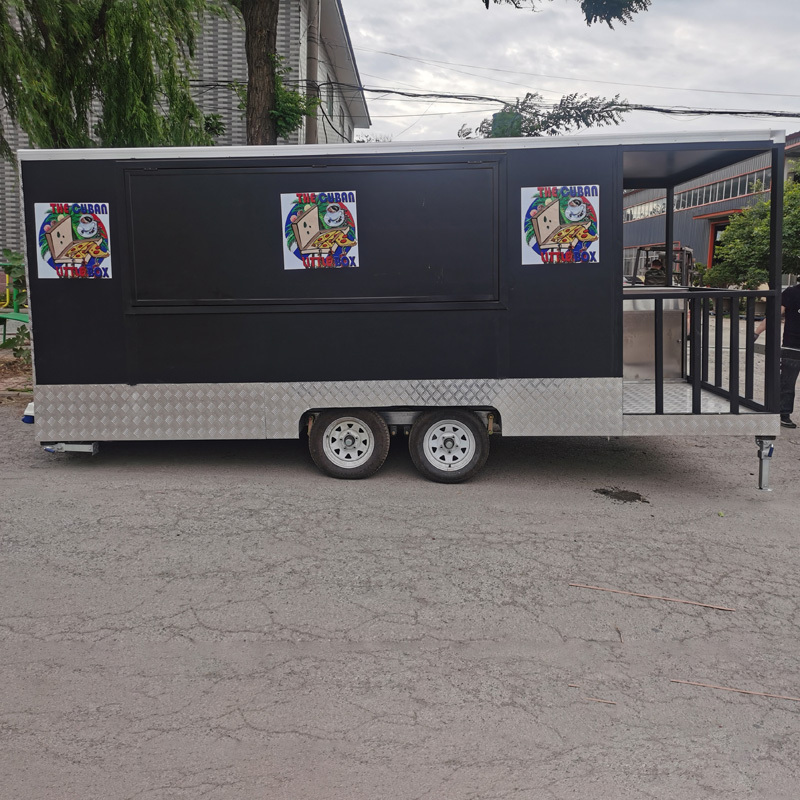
x: 74, y: 73
x: 271, y: 109
x: 61, y: 61
x: 531, y: 117
x: 607, y: 11
x: 369, y: 138
x: 742, y: 256
x: 260, y: 43
x: 288, y: 106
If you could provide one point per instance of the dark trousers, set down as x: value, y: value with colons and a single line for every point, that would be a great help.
x: 790, y: 368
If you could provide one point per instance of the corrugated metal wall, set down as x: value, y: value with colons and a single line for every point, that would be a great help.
x: 688, y: 230
x: 220, y: 60
x: 10, y: 218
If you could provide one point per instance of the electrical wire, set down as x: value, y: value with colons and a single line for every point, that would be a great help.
x: 405, y: 130
x: 435, y: 113
x: 622, y: 106
x: 582, y: 80
x: 325, y: 117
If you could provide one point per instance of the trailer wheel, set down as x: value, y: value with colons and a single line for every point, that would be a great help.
x: 448, y: 446
x: 349, y: 444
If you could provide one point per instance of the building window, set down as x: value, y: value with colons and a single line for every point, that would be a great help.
x: 752, y: 182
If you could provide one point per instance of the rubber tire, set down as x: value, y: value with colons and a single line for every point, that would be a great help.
x: 380, y: 434
x: 416, y: 445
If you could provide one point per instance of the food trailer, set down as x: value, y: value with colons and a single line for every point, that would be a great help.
x: 447, y: 292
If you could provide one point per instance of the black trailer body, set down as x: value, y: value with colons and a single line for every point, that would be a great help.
x: 230, y: 293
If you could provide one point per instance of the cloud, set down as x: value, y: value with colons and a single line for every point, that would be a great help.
x: 715, y: 45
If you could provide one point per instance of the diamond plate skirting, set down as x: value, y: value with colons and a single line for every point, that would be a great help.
x: 678, y: 420
x: 528, y: 407
x: 702, y: 425
x: 149, y: 412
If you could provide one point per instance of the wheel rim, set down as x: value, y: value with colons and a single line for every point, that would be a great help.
x: 348, y: 442
x: 449, y: 445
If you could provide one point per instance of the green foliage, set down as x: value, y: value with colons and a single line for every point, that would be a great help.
x: 60, y: 60
x: 366, y: 138
x: 506, y: 123
x: 698, y: 274
x: 19, y: 344
x: 289, y: 107
x: 743, y: 252
x: 608, y: 11
x: 13, y: 265
x: 532, y: 117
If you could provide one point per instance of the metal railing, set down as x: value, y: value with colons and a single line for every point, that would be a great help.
x: 6, y: 292
x: 738, y: 389
x: 10, y: 295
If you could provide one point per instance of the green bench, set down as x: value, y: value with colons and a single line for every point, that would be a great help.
x: 16, y: 316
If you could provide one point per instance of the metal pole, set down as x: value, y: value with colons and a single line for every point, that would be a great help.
x: 669, y: 234
x: 772, y: 344
x: 658, y: 337
x: 696, y: 355
x: 733, y: 375
x: 749, y: 347
x: 312, y: 66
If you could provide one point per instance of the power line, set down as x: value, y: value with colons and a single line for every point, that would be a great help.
x: 566, y: 77
x: 326, y: 118
x: 405, y: 130
x: 434, y: 113
x: 472, y: 74
x: 467, y: 98
x: 622, y: 106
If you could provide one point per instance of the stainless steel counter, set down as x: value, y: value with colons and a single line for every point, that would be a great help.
x: 638, y: 334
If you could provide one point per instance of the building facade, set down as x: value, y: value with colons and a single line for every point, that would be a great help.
x: 220, y: 61
x: 10, y: 204
x: 312, y: 37
x: 702, y: 207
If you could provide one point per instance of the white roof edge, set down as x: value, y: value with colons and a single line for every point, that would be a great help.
x: 765, y: 136
x: 354, y: 98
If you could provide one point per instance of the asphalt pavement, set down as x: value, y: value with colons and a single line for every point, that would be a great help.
x: 218, y: 620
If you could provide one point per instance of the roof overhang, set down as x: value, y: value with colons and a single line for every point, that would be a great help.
x: 669, y: 164
x: 334, y: 33
x: 719, y: 215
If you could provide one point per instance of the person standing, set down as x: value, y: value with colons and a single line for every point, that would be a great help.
x: 790, y: 351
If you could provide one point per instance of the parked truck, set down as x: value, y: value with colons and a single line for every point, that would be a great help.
x: 446, y: 291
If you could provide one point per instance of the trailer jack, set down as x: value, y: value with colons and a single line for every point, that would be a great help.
x: 766, y: 446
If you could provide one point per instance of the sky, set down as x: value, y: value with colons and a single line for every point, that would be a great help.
x: 709, y: 54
